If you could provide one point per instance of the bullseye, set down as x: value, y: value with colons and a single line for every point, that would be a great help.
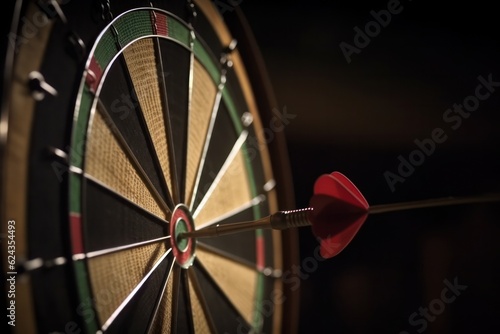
x: 183, y: 248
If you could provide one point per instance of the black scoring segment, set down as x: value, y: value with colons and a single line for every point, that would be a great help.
x: 121, y: 104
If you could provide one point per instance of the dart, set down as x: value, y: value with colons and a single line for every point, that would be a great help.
x: 336, y: 212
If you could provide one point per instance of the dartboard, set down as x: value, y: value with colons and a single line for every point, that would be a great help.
x: 126, y: 124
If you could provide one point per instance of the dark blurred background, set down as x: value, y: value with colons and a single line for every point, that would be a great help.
x: 358, y: 118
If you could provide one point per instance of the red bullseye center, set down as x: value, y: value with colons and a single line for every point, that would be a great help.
x: 183, y: 248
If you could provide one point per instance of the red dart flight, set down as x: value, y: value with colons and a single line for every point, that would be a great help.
x: 339, y: 212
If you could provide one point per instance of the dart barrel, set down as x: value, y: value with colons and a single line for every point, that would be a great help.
x: 283, y: 220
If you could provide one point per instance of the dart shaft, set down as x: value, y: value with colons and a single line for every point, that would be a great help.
x: 280, y: 220
x: 437, y: 202
x: 217, y: 230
